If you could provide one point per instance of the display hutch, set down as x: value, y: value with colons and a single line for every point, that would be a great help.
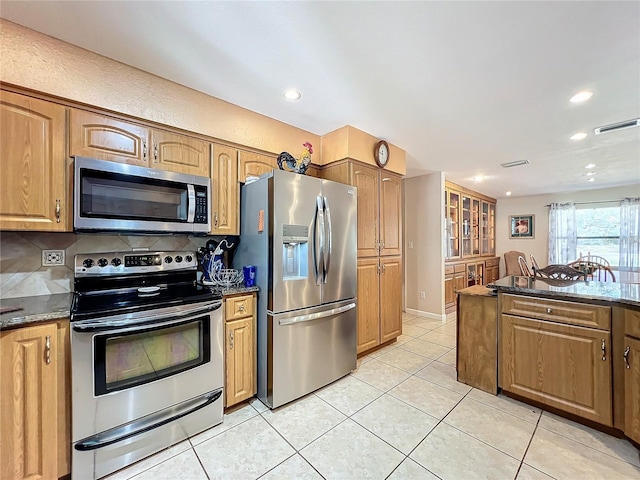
x: 470, y: 245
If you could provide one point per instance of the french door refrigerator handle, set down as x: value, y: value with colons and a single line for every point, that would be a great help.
x: 318, y: 247
x: 314, y: 316
x: 327, y: 254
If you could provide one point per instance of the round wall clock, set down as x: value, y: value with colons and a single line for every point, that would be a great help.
x: 381, y: 153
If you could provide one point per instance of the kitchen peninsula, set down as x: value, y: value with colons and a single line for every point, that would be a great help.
x: 572, y: 348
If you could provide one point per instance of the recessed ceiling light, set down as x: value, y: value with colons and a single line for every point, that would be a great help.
x: 508, y: 194
x: 591, y: 165
x: 590, y: 173
x: 579, y: 136
x: 581, y: 97
x: 477, y: 179
x: 292, y: 94
x: 592, y: 179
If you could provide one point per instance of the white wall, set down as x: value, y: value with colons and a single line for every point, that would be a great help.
x: 535, y: 205
x: 424, y: 263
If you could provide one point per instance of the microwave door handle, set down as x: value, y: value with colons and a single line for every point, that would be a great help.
x: 328, y: 242
x: 192, y: 203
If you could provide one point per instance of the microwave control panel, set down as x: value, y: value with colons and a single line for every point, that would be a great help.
x: 202, y: 215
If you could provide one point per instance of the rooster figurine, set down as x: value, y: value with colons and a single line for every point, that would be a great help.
x: 300, y: 165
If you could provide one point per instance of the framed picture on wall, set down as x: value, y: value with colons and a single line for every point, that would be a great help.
x: 521, y: 226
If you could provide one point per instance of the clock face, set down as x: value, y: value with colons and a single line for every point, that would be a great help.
x: 382, y: 153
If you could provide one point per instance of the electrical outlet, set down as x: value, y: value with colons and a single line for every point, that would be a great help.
x: 410, y: 244
x: 423, y: 295
x: 52, y: 257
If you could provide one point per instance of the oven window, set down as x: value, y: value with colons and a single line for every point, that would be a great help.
x: 126, y: 197
x: 135, y: 358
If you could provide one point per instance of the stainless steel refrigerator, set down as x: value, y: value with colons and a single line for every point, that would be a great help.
x: 300, y: 233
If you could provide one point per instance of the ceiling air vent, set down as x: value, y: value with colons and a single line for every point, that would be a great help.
x: 618, y: 126
x: 515, y: 163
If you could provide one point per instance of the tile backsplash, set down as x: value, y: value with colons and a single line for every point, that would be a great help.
x: 22, y: 273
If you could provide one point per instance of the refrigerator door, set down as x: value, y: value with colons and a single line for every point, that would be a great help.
x: 297, y: 227
x: 308, y: 350
x: 341, y: 238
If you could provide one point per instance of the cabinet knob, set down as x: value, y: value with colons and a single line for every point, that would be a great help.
x: 604, y: 350
x: 215, y: 220
x: 57, y: 211
x: 155, y: 153
x: 144, y: 150
x: 231, y: 339
x: 241, y: 307
x: 549, y: 310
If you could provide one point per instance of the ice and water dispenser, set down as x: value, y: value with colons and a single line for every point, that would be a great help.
x: 295, y: 252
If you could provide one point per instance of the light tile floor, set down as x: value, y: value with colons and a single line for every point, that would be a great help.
x: 400, y: 415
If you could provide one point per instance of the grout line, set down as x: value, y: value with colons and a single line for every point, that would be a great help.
x: 201, y: 464
x: 528, y: 445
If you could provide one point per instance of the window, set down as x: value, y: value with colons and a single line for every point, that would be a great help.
x: 598, y: 231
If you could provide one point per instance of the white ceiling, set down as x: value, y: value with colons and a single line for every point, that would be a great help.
x: 461, y: 86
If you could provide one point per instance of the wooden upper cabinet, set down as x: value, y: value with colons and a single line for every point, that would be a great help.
x: 390, y: 214
x: 178, y: 153
x: 28, y: 394
x: 105, y: 138
x: 32, y: 165
x: 366, y: 179
x: 225, y: 203
x: 255, y: 164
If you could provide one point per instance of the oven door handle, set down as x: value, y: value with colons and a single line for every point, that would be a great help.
x: 151, y: 321
x: 146, y: 424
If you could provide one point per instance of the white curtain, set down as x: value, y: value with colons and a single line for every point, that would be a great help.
x: 630, y: 235
x: 563, y: 239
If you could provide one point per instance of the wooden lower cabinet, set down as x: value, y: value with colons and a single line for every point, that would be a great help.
x: 240, y: 349
x: 368, y: 304
x: 379, y: 301
x: 390, y: 298
x: 562, y: 366
x: 632, y: 388
x: 35, y: 397
x: 477, y: 339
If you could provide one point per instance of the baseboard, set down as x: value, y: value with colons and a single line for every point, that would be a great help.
x: 434, y: 316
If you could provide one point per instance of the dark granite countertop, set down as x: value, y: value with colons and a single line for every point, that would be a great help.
x: 40, y: 308
x: 44, y: 308
x: 624, y: 294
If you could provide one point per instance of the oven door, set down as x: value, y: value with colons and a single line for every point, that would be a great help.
x: 115, y: 196
x: 129, y: 366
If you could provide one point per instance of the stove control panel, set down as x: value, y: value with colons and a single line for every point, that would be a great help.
x: 126, y: 263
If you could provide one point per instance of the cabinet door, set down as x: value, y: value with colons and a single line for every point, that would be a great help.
x: 492, y: 229
x: 32, y: 165
x: 484, y: 228
x: 225, y: 201
x: 390, y: 214
x: 452, y: 226
x: 28, y: 394
x: 368, y: 304
x: 255, y: 164
x: 105, y: 138
x: 632, y: 390
x: 179, y: 153
x: 475, y: 226
x: 449, y: 291
x: 390, y: 298
x: 366, y: 179
x: 561, y: 366
x: 240, y: 360
x: 466, y: 226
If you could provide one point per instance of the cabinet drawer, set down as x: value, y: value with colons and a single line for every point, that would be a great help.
x: 238, y: 307
x: 492, y: 262
x: 448, y: 269
x: 632, y: 323
x: 461, y: 267
x: 572, y: 313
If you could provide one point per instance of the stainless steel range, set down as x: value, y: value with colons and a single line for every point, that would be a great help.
x: 147, y: 357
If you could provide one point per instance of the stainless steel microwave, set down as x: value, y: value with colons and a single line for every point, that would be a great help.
x: 111, y: 196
